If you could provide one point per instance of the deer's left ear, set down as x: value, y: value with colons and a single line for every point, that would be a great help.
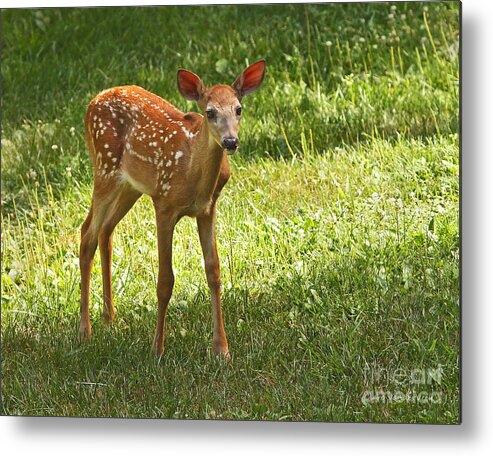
x: 250, y: 80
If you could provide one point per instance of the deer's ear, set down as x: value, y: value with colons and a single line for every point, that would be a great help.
x: 250, y: 80
x: 189, y: 85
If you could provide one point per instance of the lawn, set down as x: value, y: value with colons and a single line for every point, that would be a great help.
x: 338, y: 232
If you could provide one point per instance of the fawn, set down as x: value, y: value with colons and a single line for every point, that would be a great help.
x: 140, y: 143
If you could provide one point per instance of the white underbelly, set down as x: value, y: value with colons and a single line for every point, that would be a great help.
x: 139, y: 186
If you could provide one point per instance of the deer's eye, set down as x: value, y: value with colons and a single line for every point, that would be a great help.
x: 211, y: 114
x: 238, y: 111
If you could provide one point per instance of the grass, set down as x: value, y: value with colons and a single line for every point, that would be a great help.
x: 338, y: 231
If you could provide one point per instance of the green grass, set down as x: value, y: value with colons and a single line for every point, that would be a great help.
x: 338, y: 232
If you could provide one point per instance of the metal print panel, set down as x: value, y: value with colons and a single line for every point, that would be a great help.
x: 323, y: 284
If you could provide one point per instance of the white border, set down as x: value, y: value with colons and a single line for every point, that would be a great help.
x: 53, y: 436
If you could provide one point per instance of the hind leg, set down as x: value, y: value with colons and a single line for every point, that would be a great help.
x: 89, y: 241
x: 126, y: 198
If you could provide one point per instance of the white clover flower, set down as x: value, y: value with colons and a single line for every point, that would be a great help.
x: 72, y: 131
x: 54, y: 147
x: 393, y: 8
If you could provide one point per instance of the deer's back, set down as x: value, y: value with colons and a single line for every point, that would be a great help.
x: 137, y: 136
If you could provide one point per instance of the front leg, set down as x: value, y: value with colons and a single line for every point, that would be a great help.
x: 165, y: 227
x: 206, y: 224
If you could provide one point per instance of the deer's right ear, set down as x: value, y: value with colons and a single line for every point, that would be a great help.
x: 189, y: 85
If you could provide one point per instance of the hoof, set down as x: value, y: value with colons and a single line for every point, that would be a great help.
x: 225, y: 356
x: 108, y: 318
x: 84, y: 334
x: 222, y: 351
x: 157, y: 348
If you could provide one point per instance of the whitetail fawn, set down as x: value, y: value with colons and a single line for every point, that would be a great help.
x: 140, y: 143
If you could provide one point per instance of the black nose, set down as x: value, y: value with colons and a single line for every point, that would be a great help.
x: 230, y: 143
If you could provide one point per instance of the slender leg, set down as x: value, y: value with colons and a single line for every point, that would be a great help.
x: 126, y: 198
x: 85, y: 263
x: 206, y: 225
x: 165, y: 226
x: 88, y: 244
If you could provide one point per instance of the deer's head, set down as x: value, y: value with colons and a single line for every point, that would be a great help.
x: 221, y: 104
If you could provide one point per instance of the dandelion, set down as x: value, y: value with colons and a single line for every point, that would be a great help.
x: 54, y: 147
x: 375, y: 46
x: 362, y: 40
x: 328, y: 43
x: 13, y: 274
x: 403, y: 17
x: 72, y: 131
x: 383, y: 37
x: 393, y: 8
x: 391, y: 16
x: 432, y: 236
x: 425, y: 9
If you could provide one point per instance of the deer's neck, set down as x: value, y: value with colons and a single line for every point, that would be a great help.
x: 206, y: 160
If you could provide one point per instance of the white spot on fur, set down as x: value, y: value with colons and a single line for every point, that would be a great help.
x: 188, y: 133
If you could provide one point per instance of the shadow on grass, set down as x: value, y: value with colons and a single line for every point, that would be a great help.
x: 306, y: 348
